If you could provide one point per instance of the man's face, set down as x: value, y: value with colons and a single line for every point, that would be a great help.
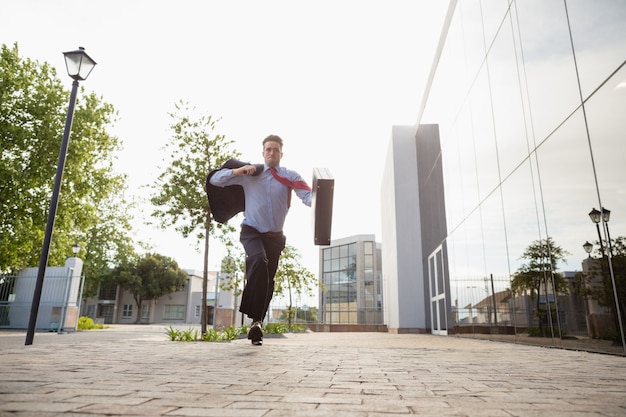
x: 272, y: 154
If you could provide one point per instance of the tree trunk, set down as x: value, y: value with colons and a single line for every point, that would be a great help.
x: 289, y: 310
x: 138, y: 301
x: 205, y: 275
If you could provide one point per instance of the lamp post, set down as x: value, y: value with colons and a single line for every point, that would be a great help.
x: 603, y: 217
x: 79, y: 66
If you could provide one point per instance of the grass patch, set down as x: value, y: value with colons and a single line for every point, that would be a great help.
x: 228, y: 333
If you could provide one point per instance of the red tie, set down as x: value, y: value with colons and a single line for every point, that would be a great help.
x: 300, y: 185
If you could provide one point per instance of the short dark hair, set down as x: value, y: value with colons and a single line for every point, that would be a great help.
x: 273, y: 138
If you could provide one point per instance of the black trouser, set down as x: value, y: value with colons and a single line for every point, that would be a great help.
x: 262, y: 253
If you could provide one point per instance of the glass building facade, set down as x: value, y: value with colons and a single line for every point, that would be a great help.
x: 351, y: 292
x: 530, y: 101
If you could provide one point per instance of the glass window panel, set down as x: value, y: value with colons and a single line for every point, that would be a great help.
x: 599, y: 37
x: 457, y: 187
x: 607, y: 130
x: 493, y: 13
x: 505, y: 88
x: 431, y: 276
x: 472, y: 245
x: 352, y: 249
x: 548, y: 63
x: 521, y: 213
x: 474, y: 43
x: 493, y: 235
x: 343, y: 250
x: 368, y: 260
x: 352, y: 262
x: 568, y: 188
x: 343, y: 264
x: 368, y: 248
x: 483, y: 136
x: 467, y: 163
x: 439, y: 270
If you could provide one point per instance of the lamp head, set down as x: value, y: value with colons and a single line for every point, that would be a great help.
x: 595, y: 215
x: 606, y: 215
x: 79, y: 64
x: 588, y: 247
x: 75, y: 248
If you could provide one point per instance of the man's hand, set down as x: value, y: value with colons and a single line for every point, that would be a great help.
x: 245, y: 170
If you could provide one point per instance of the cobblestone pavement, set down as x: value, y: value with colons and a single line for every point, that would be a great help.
x: 137, y: 371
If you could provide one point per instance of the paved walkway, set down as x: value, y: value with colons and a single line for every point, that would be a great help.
x: 137, y: 371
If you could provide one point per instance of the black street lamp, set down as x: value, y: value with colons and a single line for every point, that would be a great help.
x: 604, y: 216
x: 596, y: 217
x: 75, y: 249
x: 79, y: 66
x: 588, y: 247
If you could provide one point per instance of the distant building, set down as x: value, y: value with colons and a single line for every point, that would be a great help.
x: 352, y: 282
x: 115, y: 305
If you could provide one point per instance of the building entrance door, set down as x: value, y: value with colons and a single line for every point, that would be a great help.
x: 438, y: 308
x: 106, y: 313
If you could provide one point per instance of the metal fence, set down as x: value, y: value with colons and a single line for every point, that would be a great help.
x: 485, y: 308
x: 59, y: 305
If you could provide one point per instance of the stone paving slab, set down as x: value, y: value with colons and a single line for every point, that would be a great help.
x: 137, y: 371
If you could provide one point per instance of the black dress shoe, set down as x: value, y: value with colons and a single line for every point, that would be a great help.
x: 255, y: 334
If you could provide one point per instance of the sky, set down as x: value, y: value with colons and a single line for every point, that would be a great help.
x: 330, y: 77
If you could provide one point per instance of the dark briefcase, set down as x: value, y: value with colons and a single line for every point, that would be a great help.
x: 322, y: 205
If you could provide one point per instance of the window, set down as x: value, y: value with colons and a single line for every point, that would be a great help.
x: 197, y: 311
x: 174, y: 312
x: 108, y: 293
x: 145, y: 311
x: 127, y: 311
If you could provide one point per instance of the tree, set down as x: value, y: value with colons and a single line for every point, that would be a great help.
x: 307, y: 315
x: 543, y: 257
x: 149, y: 278
x: 180, y: 197
x: 33, y: 108
x: 292, y: 276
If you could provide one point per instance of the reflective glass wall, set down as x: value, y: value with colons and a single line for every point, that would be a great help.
x: 530, y: 98
x: 351, y: 274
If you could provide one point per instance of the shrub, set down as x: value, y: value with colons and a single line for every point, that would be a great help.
x: 86, y: 323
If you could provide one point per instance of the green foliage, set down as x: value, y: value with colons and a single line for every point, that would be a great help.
x: 92, y: 210
x: 179, y: 192
x: 189, y: 335
x: 148, y: 278
x: 227, y: 334
x: 540, y: 271
x: 298, y: 314
x: 542, y: 258
x: 86, y: 323
x: 194, y: 149
x: 211, y: 335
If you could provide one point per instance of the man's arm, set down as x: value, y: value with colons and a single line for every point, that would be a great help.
x: 227, y: 176
x: 304, y: 195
